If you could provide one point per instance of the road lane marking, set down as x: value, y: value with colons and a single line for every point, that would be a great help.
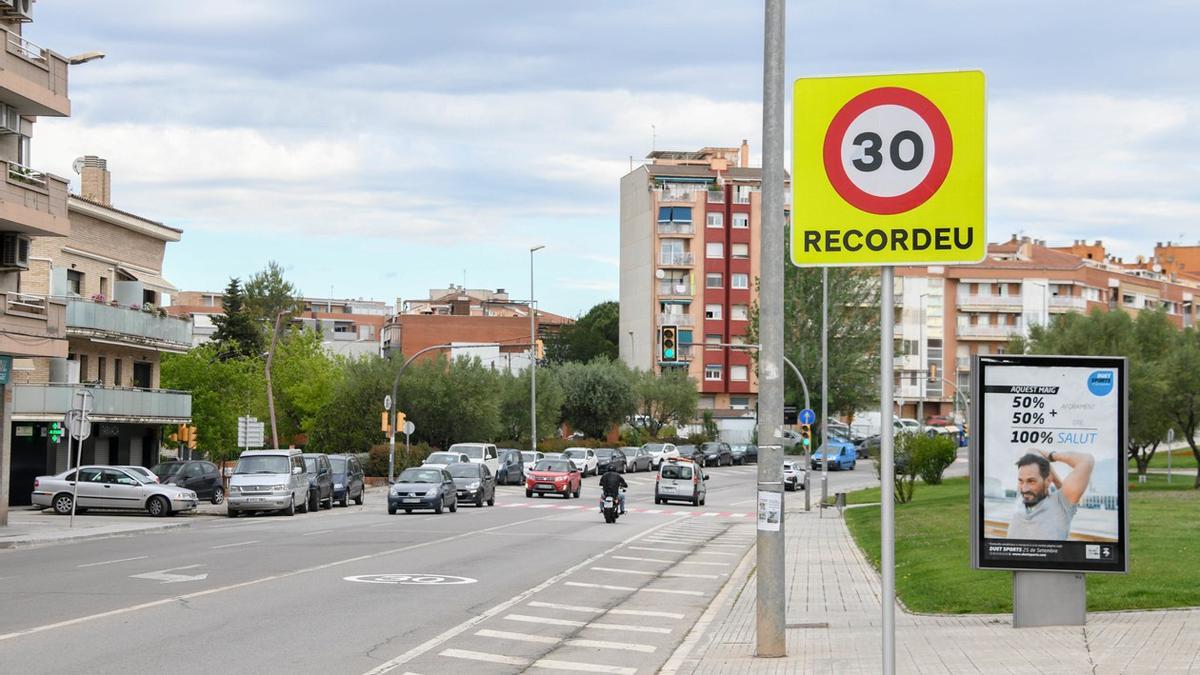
x: 273, y: 577
x: 606, y: 587
x: 630, y: 557
x: 697, y: 562
x: 727, y: 545
x: 309, y: 534
x: 453, y: 632
x: 548, y: 664
x: 110, y: 562
x: 520, y: 637
x: 525, y: 618
x: 488, y: 658
x: 570, y: 642
x: 601, y: 610
x: 660, y: 550
x: 712, y: 553
x: 240, y: 543
x: 681, y: 575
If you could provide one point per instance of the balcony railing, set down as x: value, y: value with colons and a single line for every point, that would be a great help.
x: 37, y: 202
x: 34, y: 317
x: 110, y: 404
x: 716, y: 196
x: 93, y: 318
x: 675, y: 320
x: 963, y: 363
x: 665, y: 195
x: 45, y: 69
x: 675, y: 259
x: 674, y: 288
x: 991, y: 301
x: 993, y: 332
x: 1068, y: 302
x: 676, y: 228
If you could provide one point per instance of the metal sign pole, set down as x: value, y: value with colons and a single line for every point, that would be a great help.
x: 887, y: 472
x: 75, y: 484
x: 824, y: 447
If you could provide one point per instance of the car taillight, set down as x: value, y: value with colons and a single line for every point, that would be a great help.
x: 36, y: 482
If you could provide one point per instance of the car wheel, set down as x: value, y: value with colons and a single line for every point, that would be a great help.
x: 479, y: 500
x: 359, y: 499
x: 695, y: 501
x: 704, y: 500
x: 392, y: 510
x: 492, y: 500
x: 230, y: 513
x: 454, y: 506
x: 291, y: 508
x: 438, y: 507
x: 218, y: 496
x: 576, y: 493
x: 158, y: 507
x: 303, y: 508
x: 528, y: 494
x: 408, y: 510
x: 62, y: 504
x: 314, y: 501
x: 329, y: 503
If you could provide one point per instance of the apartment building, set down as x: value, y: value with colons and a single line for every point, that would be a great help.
x: 947, y: 314
x: 33, y: 84
x: 107, y: 275
x: 690, y: 226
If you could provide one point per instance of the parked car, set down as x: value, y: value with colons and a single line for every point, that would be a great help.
x: 348, y: 480
x: 744, y: 453
x: 423, y: 487
x: 841, y: 456
x: 584, y: 459
x: 203, y: 478
x: 480, y: 453
x: 793, y: 474
x: 445, y: 459
x: 110, y: 487
x: 530, y: 458
x: 690, y: 452
x: 607, y: 456
x: 630, y: 453
x: 268, y: 480
x: 909, y: 425
x: 660, y: 451
x: 716, y: 453
x: 142, y: 472
x: 554, y: 476
x: 320, y: 480
x: 474, y: 483
x: 680, y: 479
x: 512, y: 467
x: 640, y: 458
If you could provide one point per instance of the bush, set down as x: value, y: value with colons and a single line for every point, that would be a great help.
x: 905, y: 469
x: 668, y: 432
x: 376, y: 464
x: 560, y: 444
x: 931, y: 456
x: 633, y: 436
x: 697, y: 439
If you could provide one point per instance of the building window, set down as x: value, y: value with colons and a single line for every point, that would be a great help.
x: 712, y: 373
x: 737, y: 339
x: 716, y: 220
x: 739, y: 402
x: 738, y: 373
x: 712, y: 311
x: 741, y: 220
x: 706, y: 402
x: 674, y: 214
x: 75, y: 282
x: 739, y: 280
x: 117, y: 373
x: 714, y: 249
x: 24, y: 157
x: 685, y: 339
x: 101, y: 369
x: 740, y: 250
x: 83, y: 368
x: 712, y: 280
x: 739, y: 312
x: 712, y: 339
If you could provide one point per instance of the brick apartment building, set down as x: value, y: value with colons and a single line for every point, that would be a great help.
x: 947, y: 314
x: 690, y: 227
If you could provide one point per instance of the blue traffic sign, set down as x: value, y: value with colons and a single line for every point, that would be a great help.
x: 807, y: 416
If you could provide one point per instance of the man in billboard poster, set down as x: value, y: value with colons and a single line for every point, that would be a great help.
x: 1048, y: 503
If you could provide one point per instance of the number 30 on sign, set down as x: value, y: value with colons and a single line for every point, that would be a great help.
x: 888, y: 169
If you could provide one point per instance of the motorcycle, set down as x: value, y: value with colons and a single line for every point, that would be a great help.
x: 610, y: 506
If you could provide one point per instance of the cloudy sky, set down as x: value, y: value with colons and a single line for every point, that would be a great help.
x: 384, y: 147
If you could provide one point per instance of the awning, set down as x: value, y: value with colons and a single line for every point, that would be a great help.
x: 151, y: 281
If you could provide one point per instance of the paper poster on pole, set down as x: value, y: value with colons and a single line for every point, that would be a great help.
x: 1048, y: 470
x: 770, y: 510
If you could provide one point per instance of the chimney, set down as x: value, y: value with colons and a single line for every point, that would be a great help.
x: 744, y: 155
x: 95, y: 181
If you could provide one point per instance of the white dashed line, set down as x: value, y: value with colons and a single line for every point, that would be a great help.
x: 548, y: 664
x: 110, y: 562
x: 525, y: 618
x: 629, y: 557
x: 606, y: 587
x: 570, y: 642
x: 680, y: 575
x: 660, y: 550
x: 600, y: 610
x: 240, y: 543
x: 309, y: 534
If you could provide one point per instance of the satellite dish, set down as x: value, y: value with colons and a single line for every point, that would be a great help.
x: 77, y: 165
x: 659, y: 274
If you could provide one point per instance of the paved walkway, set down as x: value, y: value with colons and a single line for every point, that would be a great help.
x: 833, y: 617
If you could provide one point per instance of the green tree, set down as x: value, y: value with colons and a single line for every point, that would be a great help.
x: 664, y: 399
x: 514, y: 405
x: 222, y: 388
x: 349, y: 420
x: 451, y: 401
x: 594, y: 335
x: 236, y: 334
x: 596, y: 395
x: 304, y: 376
x: 268, y: 293
x: 1181, y: 385
x: 853, y: 336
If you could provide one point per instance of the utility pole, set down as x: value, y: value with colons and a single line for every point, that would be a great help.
x: 887, y: 470
x: 770, y: 623
x: 824, y: 382
x: 270, y: 388
x: 533, y: 434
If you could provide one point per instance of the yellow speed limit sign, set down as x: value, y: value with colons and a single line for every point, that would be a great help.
x: 888, y: 169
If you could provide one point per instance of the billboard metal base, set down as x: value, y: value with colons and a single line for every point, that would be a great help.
x: 1049, y: 599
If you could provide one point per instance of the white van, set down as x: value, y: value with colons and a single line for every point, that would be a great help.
x: 479, y: 453
x: 268, y: 480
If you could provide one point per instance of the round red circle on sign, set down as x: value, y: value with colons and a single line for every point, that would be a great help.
x: 918, y: 195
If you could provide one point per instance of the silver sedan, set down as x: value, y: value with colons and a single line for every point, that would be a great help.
x: 110, y: 487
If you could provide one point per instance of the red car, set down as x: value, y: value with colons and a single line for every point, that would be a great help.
x: 557, y: 476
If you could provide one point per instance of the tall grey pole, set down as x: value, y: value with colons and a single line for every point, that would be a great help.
x: 923, y: 357
x: 532, y: 357
x: 824, y: 381
x: 771, y: 601
x: 887, y: 471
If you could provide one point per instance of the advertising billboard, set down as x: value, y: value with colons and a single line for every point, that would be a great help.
x: 1048, y: 468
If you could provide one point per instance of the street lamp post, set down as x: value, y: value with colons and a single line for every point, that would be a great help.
x: 532, y: 355
x: 923, y: 358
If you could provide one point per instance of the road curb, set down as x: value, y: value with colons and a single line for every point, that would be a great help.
x: 37, y: 541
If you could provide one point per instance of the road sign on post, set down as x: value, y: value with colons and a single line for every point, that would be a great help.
x: 251, y: 432
x: 807, y: 416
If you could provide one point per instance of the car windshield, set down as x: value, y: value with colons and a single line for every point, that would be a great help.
x: 712, y: 447
x: 575, y: 453
x: 686, y: 449
x: 442, y: 458
x: 789, y: 466
x: 420, y: 476
x: 310, y: 464
x: 675, y: 471
x: 262, y: 464
x: 338, y: 464
x: 472, y: 451
x: 167, y: 469
x: 529, y: 456
x: 654, y: 447
x: 464, y: 471
x: 604, y: 453
x: 556, y: 465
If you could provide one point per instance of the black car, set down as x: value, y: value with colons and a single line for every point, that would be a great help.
x: 348, y: 482
x: 203, y: 478
x: 716, y: 453
x: 474, y: 483
x: 691, y: 452
x: 320, y: 480
x: 512, y: 467
x: 610, y: 456
x: 423, y: 487
x: 744, y: 453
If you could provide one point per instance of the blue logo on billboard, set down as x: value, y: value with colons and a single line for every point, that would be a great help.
x: 1100, y: 383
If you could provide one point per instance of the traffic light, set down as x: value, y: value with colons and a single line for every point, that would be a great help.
x: 181, y: 433
x: 669, y: 347
x: 806, y: 435
x: 541, y: 349
x: 933, y: 376
x: 55, y: 432
x: 383, y: 423
x: 192, y: 437
x: 399, y: 421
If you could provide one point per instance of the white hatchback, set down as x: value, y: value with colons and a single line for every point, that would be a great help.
x: 583, y: 458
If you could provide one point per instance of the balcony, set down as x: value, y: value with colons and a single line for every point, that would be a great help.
x: 1011, y: 303
x: 685, y: 320
x: 33, y: 203
x: 963, y: 362
x: 716, y: 196
x: 36, y: 78
x: 32, y: 326
x: 668, y: 195
x: 1067, y: 303
x: 675, y: 259
x: 988, y: 332
x: 672, y: 289
x: 49, y: 402
x: 101, y: 321
x: 676, y: 228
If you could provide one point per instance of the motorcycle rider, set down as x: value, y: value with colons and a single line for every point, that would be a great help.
x: 611, y: 484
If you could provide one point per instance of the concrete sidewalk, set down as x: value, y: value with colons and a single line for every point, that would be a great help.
x: 833, y: 618
x: 30, y: 527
